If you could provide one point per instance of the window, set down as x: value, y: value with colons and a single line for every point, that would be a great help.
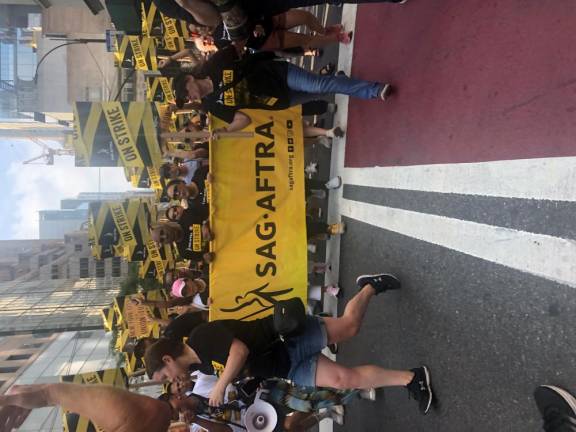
x: 32, y: 345
x: 41, y: 335
x: 77, y: 248
x: 55, y: 271
x: 84, y: 273
x: 9, y: 369
x: 100, y: 271
x: 42, y: 260
x: 19, y: 357
x: 116, y: 267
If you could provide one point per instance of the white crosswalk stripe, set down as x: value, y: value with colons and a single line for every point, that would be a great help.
x: 546, y: 256
x: 546, y: 179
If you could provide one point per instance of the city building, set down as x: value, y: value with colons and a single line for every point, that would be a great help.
x: 70, y: 258
x: 54, y: 224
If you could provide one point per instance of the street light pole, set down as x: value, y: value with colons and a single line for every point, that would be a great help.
x: 69, y: 42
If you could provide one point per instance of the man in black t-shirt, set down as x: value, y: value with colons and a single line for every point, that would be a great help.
x: 228, y: 347
x: 226, y: 84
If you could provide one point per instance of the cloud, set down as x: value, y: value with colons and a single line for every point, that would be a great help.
x: 41, y: 187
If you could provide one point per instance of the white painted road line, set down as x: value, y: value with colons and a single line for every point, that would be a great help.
x: 546, y: 179
x: 541, y: 255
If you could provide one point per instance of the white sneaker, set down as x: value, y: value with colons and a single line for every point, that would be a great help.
x: 334, y: 183
x: 337, y: 414
x: 325, y: 141
x: 369, y: 394
x: 311, y: 168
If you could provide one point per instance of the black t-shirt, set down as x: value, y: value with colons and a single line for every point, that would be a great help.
x: 192, y: 244
x: 261, y: 83
x: 222, y: 37
x: 181, y: 326
x: 172, y: 9
x: 268, y: 355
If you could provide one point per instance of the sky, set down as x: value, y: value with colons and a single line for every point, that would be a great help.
x: 26, y: 189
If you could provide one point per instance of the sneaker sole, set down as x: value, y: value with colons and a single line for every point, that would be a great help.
x: 374, y: 275
x: 568, y: 398
x: 428, y: 384
x: 386, y: 92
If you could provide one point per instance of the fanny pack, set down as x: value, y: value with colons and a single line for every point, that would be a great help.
x: 289, y: 317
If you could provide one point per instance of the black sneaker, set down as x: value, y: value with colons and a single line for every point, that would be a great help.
x: 557, y: 407
x: 380, y: 282
x: 420, y: 388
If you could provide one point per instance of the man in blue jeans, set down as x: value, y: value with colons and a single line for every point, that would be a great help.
x: 226, y: 84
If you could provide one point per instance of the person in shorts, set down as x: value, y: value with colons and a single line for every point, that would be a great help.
x: 232, y: 348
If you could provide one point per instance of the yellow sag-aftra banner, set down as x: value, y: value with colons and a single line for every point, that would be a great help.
x: 258, y: 217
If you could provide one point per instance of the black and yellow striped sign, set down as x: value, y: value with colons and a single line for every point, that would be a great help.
x: 109, y: 318
x: 132, y: 321
x: 120, y: 228
x: 159, y: 89
x: 136, y: 52
x: 116, y: 134
x: 173, y: 31
x: 132, y: 363
x: 153, y: 268
x: 73, y: 422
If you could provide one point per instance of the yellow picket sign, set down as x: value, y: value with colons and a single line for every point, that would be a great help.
x: 121, y: 134
x: 121, y: 221
x: 261, y: 257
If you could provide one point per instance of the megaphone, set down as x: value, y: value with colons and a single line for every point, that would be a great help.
x: 260, y: 417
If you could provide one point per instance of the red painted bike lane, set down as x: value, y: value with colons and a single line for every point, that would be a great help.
x: 476, y: 81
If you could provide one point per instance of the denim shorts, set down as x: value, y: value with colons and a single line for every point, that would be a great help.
x: 304, y: 350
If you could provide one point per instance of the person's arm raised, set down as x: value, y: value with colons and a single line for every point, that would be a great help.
x: 112, y: 409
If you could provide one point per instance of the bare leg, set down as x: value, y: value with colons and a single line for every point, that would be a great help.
x: 313, y: 131
x: 292, y: 39
x: 347, y: 326
x: 297, y: 17
x: 300, y: 422
x: 332, y: 374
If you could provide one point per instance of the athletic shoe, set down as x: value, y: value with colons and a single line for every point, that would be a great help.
x: 333, y: 290
x: 334, y: 183
x: 333, y: 29
x: 557, y: 407
x: 337, y: 414
x: 380, y: 282
x: 311, y: 168
x: 369, y: 394
x: 324, y: 141
x: 385, y: 92
x: 420, y: 389
x: 345, y: 37
x: 337, y: 228
x: 336, y: 132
